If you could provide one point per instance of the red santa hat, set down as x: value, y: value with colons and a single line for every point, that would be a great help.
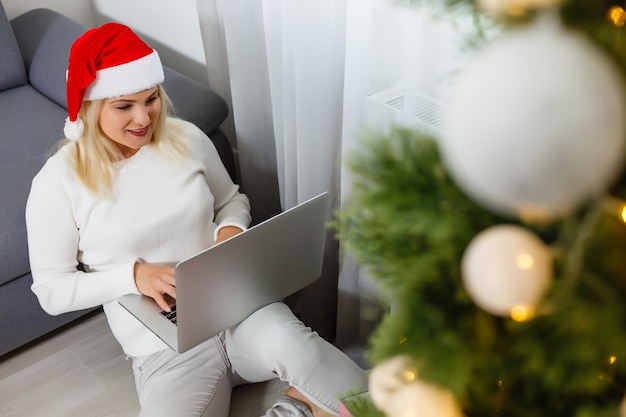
x: 108, y: 61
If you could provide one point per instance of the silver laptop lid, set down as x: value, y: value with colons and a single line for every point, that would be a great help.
x: 224, y: 284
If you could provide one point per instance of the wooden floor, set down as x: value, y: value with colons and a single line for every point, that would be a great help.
x: 80, y: 371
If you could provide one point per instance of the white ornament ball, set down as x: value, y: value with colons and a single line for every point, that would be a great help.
x: 386, y: 378
x: 395, y: 390
x: 535, y: 126
x: 506, y: 270
x: 420, y: 399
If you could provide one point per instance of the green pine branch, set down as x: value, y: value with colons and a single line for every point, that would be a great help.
x: 408, y: 224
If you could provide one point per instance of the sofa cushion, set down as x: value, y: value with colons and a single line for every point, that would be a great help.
x: 25, y: 146
x: 12, y: 71
x: 45, y: 38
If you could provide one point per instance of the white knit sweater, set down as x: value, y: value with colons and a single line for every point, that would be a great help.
x: 161, y: 211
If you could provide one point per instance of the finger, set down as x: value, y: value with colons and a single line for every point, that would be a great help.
x: 170, y: 280
x: 160, y: 300
x: 167, y: 293
x: 167, y: 276
x: 171, y: 291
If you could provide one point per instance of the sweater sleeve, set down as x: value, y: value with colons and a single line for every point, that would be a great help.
x: 231, y: 207
x: 53, y: 239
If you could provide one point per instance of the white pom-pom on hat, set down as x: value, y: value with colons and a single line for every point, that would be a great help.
x: 73, y: 130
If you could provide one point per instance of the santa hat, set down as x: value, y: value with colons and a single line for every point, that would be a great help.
x: 108, y: 61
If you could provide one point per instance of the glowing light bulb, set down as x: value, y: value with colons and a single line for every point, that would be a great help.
x: 410, y: 376
x: 516, y: 10
x: 617, y: 16
x: 612, y: 359
x: 521, y: 313
x: 616, y: 207
x: 525, y: 261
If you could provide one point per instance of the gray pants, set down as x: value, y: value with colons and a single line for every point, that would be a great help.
x: 270, y: 343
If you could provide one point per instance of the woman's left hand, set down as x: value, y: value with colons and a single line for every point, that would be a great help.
x: 227, y: 232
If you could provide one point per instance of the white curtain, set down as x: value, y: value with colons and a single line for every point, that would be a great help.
x: 304, y: 79
x: 280, y: 65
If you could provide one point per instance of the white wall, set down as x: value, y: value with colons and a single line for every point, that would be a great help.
x: 79, y: 10
x: 171, y: 27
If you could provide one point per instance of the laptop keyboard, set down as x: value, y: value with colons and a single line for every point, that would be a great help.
x: 171, y: 316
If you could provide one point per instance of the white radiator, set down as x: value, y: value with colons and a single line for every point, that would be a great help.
x: 395, y: 107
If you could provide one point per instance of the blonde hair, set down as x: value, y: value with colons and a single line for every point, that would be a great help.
x: 95, y: 156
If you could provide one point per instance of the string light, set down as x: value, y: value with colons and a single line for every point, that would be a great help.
x: 516, y: 10
x: 410, y: 375
x: 524, y: 261
x: 612, y: 359
x: 522, y: 313
x: 616, y: 207
x: 617, y: 16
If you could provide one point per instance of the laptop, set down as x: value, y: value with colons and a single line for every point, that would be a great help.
x: 222, y: 285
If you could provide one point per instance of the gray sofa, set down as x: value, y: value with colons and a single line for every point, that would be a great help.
x: 34, y: 49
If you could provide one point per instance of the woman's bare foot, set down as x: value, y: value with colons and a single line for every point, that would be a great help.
x: 317, y: 412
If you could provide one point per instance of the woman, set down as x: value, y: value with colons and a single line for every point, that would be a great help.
x: 130, y: 192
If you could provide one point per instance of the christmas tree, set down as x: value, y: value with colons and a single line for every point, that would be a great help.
x: 502, y: 242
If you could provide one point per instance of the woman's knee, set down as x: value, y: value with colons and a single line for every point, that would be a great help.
x: 274, y: 332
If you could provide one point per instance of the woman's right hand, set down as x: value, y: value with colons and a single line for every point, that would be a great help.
x: 156, y: 281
